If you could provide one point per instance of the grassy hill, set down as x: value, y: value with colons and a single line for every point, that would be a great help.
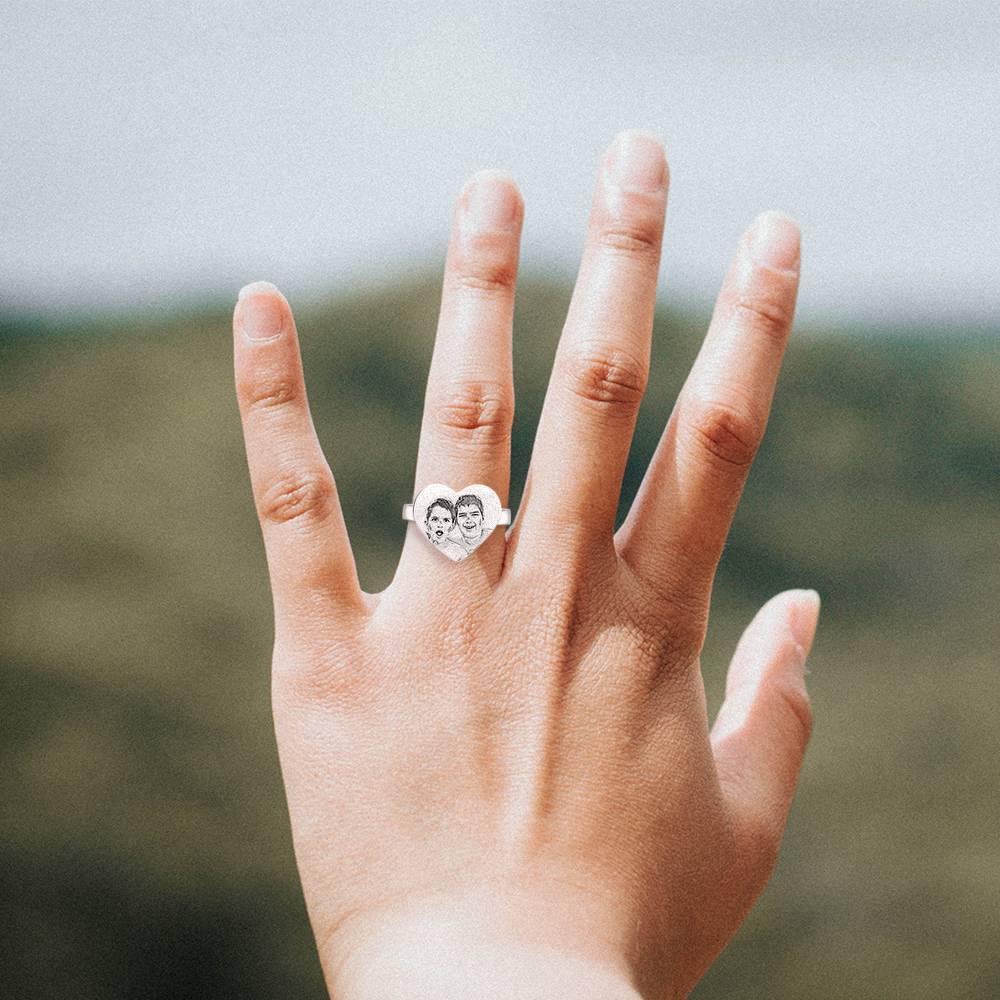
x: 144, y: 844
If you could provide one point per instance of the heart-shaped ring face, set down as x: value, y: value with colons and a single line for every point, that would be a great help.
x: 456, y: 522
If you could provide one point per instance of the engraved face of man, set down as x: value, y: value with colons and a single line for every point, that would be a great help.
x: 469, y: 511
x: 440, y: 521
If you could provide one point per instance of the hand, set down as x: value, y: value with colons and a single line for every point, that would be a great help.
x: 503, y: 765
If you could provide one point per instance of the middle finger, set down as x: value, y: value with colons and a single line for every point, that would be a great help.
x: 602, y: 361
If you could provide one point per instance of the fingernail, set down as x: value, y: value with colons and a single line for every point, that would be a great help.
x: 803, y: 621
x: 262, y: 317
x: 775, y: 242
x: 636, y: 162
x: 257, y: 286
x: 490, y: 202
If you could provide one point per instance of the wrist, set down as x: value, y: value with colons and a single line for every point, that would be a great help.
x: 419, y: 968
x: 452, y: 951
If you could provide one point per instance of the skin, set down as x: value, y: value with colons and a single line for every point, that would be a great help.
x: 522, y: 796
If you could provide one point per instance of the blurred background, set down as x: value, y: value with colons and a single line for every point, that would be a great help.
x: 156, y: 157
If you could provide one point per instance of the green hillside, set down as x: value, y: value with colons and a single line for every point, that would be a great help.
x: 144, y: 843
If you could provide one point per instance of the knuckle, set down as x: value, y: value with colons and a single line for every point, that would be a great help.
x: 487, y: 276
x: 669, y: 645
x: 606, y: 378
x: 636, y: 239
x: 798, y: 708
x: 679, y: 636
x: 328, y: 682
x: 727, y: 432
x: 270, y: 393
x: 329, y: 674
x: 561, y: 607
x: 476, y: 412
x: 302, y: 497
x: 768, y: 314
x: 673, y: 629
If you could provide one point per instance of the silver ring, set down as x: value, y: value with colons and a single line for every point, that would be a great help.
x: 456, y: 522
x: 504, y: 513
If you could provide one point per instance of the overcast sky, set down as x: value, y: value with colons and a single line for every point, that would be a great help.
x: 152, y: 151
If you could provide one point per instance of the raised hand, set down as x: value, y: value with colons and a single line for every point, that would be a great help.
x: 500, y: 774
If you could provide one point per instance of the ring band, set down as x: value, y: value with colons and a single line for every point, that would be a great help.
x: 504, y: 514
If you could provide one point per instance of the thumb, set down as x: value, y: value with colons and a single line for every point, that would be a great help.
x: 760, y: 734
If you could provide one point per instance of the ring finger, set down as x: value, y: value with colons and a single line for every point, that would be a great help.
x: 469, y: 403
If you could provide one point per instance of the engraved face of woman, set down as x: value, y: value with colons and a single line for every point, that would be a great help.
x: 440, y: 521
x: 469, y: 511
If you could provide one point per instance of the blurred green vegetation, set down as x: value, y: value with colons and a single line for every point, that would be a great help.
x: 145, y: 843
